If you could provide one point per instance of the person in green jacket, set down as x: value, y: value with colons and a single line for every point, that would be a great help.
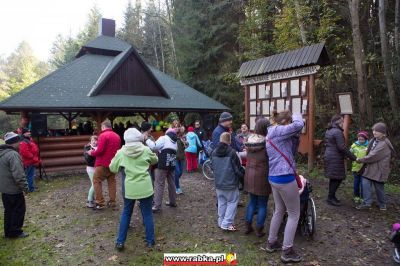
x: 359, y: 149
x: 132, y: 161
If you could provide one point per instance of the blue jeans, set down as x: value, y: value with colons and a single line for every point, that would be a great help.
x: 258, y: 203
x: 178, y: 172
x: 147, y: 214
x: 358, y: 191
x: 30, y: 176
x: 379, y: 190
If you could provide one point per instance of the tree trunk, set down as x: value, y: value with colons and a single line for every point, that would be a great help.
x: 359, y: 63
x: 385, y: 58
x: 303, y: 32
x: 175, y: 61
x: 155, y: 48
x: 160, y: 37
x: 396, y: 26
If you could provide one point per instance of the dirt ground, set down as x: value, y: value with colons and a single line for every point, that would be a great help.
x: 64, y: 232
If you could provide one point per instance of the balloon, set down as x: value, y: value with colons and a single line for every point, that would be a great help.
x: 161, y: 123
x: 158, y: 128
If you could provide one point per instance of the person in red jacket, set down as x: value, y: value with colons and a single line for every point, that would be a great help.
x: 107, y: 146
x: 29, y: 152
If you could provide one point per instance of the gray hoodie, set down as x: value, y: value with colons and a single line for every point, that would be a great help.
x: 12, y: 174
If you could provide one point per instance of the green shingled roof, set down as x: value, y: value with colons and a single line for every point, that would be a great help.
x: 73, y: 87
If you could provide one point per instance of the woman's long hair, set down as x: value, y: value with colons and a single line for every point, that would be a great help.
x: 282, y: 117
x: 262, y: 126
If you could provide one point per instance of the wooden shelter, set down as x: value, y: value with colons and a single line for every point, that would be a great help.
x: 285, y: 81
x: 107, y: 79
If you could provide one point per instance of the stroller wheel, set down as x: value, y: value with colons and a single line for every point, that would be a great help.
x: 309, y: 219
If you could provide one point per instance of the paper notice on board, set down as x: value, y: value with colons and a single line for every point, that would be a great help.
x: 304, y: 107
x: 280, y: 105
x: 265, y: 107
x: 296, y: 105
x: 294, y: 87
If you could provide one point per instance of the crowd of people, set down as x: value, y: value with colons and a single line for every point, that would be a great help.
x: 145, y: 165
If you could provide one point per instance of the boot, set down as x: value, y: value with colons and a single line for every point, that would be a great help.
x: 249, y: 228
x: 259, y: 231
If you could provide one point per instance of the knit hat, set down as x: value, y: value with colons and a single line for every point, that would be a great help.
x: 190, y: 129
x: 11, y: 138
x: 225, y: 116
x: 363, y: 134
x: 131, y: 136
x: 225, y: 138
x: 380, y: 127
x: 145, y: 126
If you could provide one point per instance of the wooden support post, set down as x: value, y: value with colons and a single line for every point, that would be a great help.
x: 246, y: 106
x: 346, y: 126
x: 310, y: 122
x: 69, y: 121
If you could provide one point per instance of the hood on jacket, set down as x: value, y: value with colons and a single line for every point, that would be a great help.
x: 255, y: 143
x: 134, y: 150
x: 364, y: 145
x: 222, y: 149
x: 172, y: 135
x: 5, y: 148
x: 331, y: 126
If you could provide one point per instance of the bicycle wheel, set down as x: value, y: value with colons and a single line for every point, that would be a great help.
x: 207, y: 170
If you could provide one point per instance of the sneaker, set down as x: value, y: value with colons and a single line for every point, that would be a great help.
x: 383, y: 208
x: 154, y: 209
x: 150, y: 245
x: 90, y: 204
x: 272, y: 247
x: 363, y: 207
x: 179, y: 191
x: 99, y: 207
x: 171, y: 204
x: 119, y: 246
x: 289, y: 255
x: 358, y: 200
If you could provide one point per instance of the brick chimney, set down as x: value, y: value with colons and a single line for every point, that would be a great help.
x: 107, y: 27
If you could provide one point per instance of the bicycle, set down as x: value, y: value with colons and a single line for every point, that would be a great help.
x: 207, y: 170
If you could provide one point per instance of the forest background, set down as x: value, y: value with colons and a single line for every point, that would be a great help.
x: 203, y: 43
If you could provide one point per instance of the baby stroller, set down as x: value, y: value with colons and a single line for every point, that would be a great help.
x: 308, y: 214
x: 395, y: 238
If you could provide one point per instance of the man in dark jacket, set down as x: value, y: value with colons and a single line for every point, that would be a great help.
x: 13, y: 185
x: 335, y: 153
x: 225, y: 125
x: 199, y: 131
x: 227, y: 171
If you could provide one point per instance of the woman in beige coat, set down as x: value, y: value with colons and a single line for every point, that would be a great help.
x: 376, y: 167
